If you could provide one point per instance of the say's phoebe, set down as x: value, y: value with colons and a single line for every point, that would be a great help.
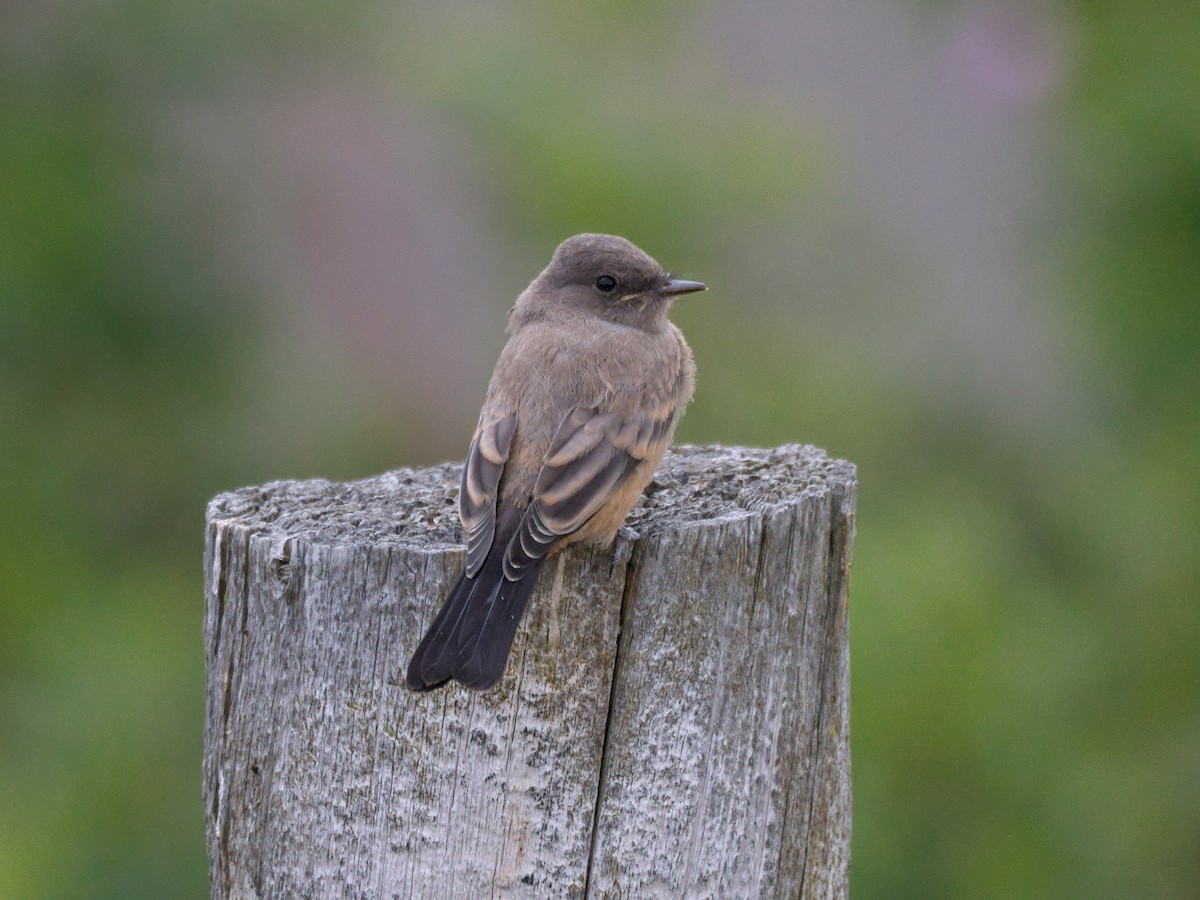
x: 580, y: 409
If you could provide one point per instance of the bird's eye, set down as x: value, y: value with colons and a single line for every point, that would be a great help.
x: 606, y: 284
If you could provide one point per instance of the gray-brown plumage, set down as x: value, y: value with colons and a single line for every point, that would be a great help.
x: 581, y: 407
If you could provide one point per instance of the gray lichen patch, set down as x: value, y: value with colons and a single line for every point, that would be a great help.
x: 410, y: 507
x: 696, y: 484
x: 419, y: 507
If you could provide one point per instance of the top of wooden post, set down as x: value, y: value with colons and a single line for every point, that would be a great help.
x: 418, y: 508
x: 674, y: 719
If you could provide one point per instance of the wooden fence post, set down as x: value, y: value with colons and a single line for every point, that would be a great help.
x: 673, y: 721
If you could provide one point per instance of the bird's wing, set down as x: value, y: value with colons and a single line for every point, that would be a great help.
x: 481, y: 481
x: 591, y: 455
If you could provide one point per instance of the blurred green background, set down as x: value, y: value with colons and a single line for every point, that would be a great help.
x: 957, y: 243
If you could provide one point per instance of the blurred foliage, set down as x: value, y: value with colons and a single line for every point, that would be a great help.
x: 109, y: 399
x: 1025, y: 621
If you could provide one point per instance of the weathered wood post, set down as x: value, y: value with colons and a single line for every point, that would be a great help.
x: 673, y: 722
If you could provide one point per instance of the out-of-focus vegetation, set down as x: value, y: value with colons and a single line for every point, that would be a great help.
x: 186, y: 306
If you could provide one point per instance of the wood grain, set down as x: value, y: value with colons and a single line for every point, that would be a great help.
x: 673, y: 722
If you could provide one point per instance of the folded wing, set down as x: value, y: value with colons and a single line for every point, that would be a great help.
x: 481, y: 482
x: 589, y: 459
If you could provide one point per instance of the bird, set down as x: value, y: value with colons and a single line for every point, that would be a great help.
x: 580, y: 409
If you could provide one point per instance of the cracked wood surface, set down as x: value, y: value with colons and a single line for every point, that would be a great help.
x: 673, y: 721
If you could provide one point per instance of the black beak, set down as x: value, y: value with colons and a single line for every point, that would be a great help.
x: 675, y: 286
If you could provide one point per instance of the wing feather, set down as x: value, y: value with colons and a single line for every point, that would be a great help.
x: 582, y: 431
x: 557, y: 484
x: 481, y: 483
x: 589, y: 459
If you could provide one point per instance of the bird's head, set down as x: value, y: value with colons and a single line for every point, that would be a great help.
x: 605, y: 276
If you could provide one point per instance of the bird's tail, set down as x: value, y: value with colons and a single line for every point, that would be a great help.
x: 472, y: 634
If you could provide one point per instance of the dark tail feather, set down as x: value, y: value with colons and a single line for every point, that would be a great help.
x: 432, y: 665
x: 472, y: 634
x: 484, y: 653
